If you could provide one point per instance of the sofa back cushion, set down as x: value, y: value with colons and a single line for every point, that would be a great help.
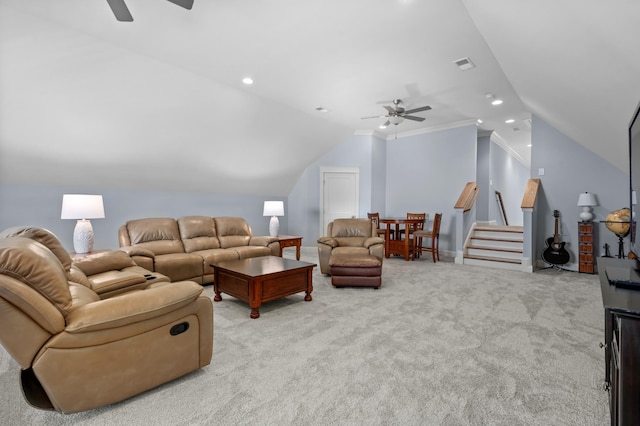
x: 36, y: 266
x: 232, y: 231
x: 44, y: 237
x: 160, y: 235
x: 198, y: 233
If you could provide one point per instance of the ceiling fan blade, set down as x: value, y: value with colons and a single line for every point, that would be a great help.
x: 390, y: 109
x: 411, y: 117
x: 424, y: 108
x: 386, y: 124
x: 187, y: 4
x: 373, y: 116
x: 120, y: 9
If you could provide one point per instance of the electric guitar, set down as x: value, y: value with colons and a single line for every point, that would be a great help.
x: 555, y: 253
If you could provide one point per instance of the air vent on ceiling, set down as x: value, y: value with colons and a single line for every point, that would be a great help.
x: 464, y: 64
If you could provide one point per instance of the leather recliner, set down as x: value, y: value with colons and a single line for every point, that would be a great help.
x: 77, y: 351
x: 348, y: 237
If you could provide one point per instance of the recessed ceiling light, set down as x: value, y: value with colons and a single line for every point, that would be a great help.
x: 247, y: 80
x: 510, y: 121
x: 492, y: 98
x: 322, y: 109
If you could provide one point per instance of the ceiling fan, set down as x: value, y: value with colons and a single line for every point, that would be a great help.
x: 120, y: 9
x: 396, y: 114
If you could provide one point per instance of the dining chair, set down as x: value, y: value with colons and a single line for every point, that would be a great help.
x: 375, y: 217
x: 433, y: 234
x: 414, y: 226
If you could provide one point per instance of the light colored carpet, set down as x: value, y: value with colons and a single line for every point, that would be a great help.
x: 438, y: 344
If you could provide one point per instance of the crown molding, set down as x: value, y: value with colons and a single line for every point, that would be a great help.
x: 495, y: 138
x: 440, y: 128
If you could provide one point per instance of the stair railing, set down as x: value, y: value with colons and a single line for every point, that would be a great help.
x: 528, y: 207
x: 501, y: 205
x: 464, y: 217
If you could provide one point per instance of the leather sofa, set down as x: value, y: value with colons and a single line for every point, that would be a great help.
x: 349, y: 237
x: 185, y: 248
x: 77, y: 350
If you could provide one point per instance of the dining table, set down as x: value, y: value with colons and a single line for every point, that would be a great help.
x: 397, y: 245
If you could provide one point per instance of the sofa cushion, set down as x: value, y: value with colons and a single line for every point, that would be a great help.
x: 180, y: 266
x: 160, y: 235
x: 213, y: 256
x: 44, y: 237
x: 103, y: 262
x: 198, y: 233
x: 232, y: 231
x: 35, y: 265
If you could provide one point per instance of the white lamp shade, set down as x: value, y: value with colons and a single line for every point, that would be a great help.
x: 82, y: 206
x: 273, y: 208
x: 587, y: 199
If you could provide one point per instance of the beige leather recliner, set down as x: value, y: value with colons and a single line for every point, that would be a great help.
x: 77, y: 351
x: 349, y: 237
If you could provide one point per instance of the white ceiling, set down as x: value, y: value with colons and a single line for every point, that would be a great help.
x: 82, y: 95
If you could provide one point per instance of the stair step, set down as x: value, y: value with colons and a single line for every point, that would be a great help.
x: 494, y: 259
x: 497, y: 235
x: 495, y: 243
x: 497, y: 249
x: 515, y: 229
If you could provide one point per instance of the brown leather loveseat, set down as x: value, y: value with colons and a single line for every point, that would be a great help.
x: 77, y: 350
x: 185, y: 248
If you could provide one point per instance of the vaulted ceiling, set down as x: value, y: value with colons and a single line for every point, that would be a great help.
x: 159, y: 102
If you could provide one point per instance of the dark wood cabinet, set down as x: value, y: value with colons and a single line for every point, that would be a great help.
x: 586, y: 247
x: 620, y: 285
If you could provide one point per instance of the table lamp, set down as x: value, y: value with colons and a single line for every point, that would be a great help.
x: 82, y: 207
x: 273, y: 209
x: 586, y: 200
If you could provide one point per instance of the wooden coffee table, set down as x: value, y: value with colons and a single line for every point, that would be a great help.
x: 262, y: 279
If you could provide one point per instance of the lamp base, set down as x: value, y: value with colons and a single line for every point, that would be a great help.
x: 586, y: 214
x: 83, y: 236
x: 274, y: 226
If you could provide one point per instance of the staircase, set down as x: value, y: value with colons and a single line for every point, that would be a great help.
x: 495, y: 247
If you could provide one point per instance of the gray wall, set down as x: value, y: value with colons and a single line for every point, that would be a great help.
x: 416, y: 173
x: 509, y: 176
x: 570, y: 169
x: 41, y: 205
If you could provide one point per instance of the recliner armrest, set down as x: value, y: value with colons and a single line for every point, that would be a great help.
x: 137, y: 251
x: 373, y: 241
x: 132, y: 307
x: 329, y: 241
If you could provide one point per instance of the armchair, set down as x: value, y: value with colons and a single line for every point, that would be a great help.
x: 78, y: 351
x: 349, y: 237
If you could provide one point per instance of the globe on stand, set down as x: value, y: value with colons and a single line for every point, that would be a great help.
x: 619, y: 222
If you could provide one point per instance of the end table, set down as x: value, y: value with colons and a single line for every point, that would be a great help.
x: 290, y: 241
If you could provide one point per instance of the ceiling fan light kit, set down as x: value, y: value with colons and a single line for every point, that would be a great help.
x: 396, y: 114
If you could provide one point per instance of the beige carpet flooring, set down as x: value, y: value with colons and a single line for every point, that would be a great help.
x: 438, y: 344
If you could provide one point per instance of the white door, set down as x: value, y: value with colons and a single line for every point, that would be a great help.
x: 339, y: 194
